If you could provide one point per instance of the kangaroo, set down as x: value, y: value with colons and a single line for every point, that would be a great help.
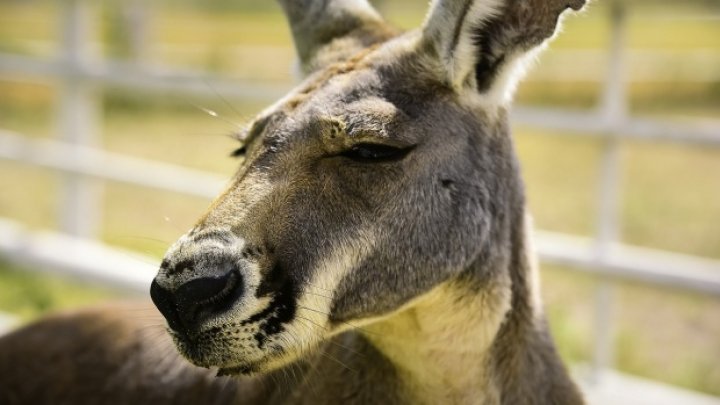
x: 372, y: 248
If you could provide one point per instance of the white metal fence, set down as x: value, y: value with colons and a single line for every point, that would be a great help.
x: 73, y: 153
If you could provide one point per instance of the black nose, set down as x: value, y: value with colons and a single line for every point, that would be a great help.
x: 186, y: 306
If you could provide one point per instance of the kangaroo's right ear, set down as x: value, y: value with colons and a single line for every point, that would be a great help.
x: 327, y: 31
x: 482, y: 44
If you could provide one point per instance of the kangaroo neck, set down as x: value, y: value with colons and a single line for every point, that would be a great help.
x: 441, y: 347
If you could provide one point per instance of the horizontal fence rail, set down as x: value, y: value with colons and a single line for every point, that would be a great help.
x: 97, y: 163
x: 139, y: 77
x: 146, y: 79
x: 624, y: 262
x: 53, y: 251
x: 83, y: 259
x: 596, y: 124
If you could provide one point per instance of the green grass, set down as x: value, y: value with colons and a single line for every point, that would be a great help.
x: 663, y: 187
x: 28, y: 295
x: 661, y: 334
x: 670, y: 192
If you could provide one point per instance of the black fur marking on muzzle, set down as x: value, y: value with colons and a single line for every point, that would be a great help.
x: 282, y: 307
x: 281, y: 311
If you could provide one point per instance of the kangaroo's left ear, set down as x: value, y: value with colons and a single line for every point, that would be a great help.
x: 328, y: 31
x: 482, y: 44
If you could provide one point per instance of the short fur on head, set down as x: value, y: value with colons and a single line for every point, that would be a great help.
x: 373, y: 243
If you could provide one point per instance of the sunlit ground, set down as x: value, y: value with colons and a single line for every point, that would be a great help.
x: 671, y: 192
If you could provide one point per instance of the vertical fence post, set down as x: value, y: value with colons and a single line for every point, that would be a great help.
x: 78, y: 118
x: 614, y: 110
x: 136, y: 23
x: 128, y: 28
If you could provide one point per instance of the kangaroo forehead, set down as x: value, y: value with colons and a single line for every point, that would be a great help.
x: 373, y: 98
x: 372, y: 116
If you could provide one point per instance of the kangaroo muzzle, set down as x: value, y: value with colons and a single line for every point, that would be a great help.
x: 202, y: 276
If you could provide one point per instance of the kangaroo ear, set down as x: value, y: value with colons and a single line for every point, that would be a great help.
x: 482, y: 44
x: 327, y: 31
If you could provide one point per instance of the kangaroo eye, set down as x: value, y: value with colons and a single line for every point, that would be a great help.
x: 373, y: 152
x: 239, y: 152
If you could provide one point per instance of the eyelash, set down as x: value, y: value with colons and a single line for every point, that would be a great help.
x: 375, y: 153
x: 242, y: 150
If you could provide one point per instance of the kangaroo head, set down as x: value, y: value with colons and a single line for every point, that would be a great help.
x: 387, y: 172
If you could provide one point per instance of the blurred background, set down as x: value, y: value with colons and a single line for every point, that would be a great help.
x: 114, y: 124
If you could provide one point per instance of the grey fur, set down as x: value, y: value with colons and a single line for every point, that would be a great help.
x: 327, y: 31
x: 417, y: 248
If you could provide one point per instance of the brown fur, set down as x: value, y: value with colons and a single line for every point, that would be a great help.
x: 112, y: 354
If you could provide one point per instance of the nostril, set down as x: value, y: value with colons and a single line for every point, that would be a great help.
x: 207, y: 290
x: 203, y: 297
x: 201, y: 290
x: 189, y: 304
x: 165, y: 303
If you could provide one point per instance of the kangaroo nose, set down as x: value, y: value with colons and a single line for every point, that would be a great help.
x: 197, y: 299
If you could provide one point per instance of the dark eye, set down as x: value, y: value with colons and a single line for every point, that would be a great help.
x: 373, y: 152
x: 239, y: 152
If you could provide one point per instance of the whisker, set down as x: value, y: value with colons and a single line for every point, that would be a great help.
x: 294, y: 369
x: 216, y: 115
x: 153, y: 334
x: 226, y: 382
x: 321, y: 288
x: 286, y: 340
x: 167, y: 355
x: 331, y: 341
x: 140, y: 310
x: 348, y: 348
x: 145, y: 238
x: 308, y: 376
x: 146, y: 258
x: 289, y: 368
x: 316, y: 294
x: 152, y: 327
x: 285, y: 377
x: 273, y: 377
x: 207, y: 134
x: 311, y: 321
x: 224, y: 100
x: 326, y: 355
x: 344, y: 322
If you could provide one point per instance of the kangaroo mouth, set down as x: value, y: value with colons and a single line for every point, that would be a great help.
x: 241, y: 370
x: 244, y: 346
x: 247, y: 369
